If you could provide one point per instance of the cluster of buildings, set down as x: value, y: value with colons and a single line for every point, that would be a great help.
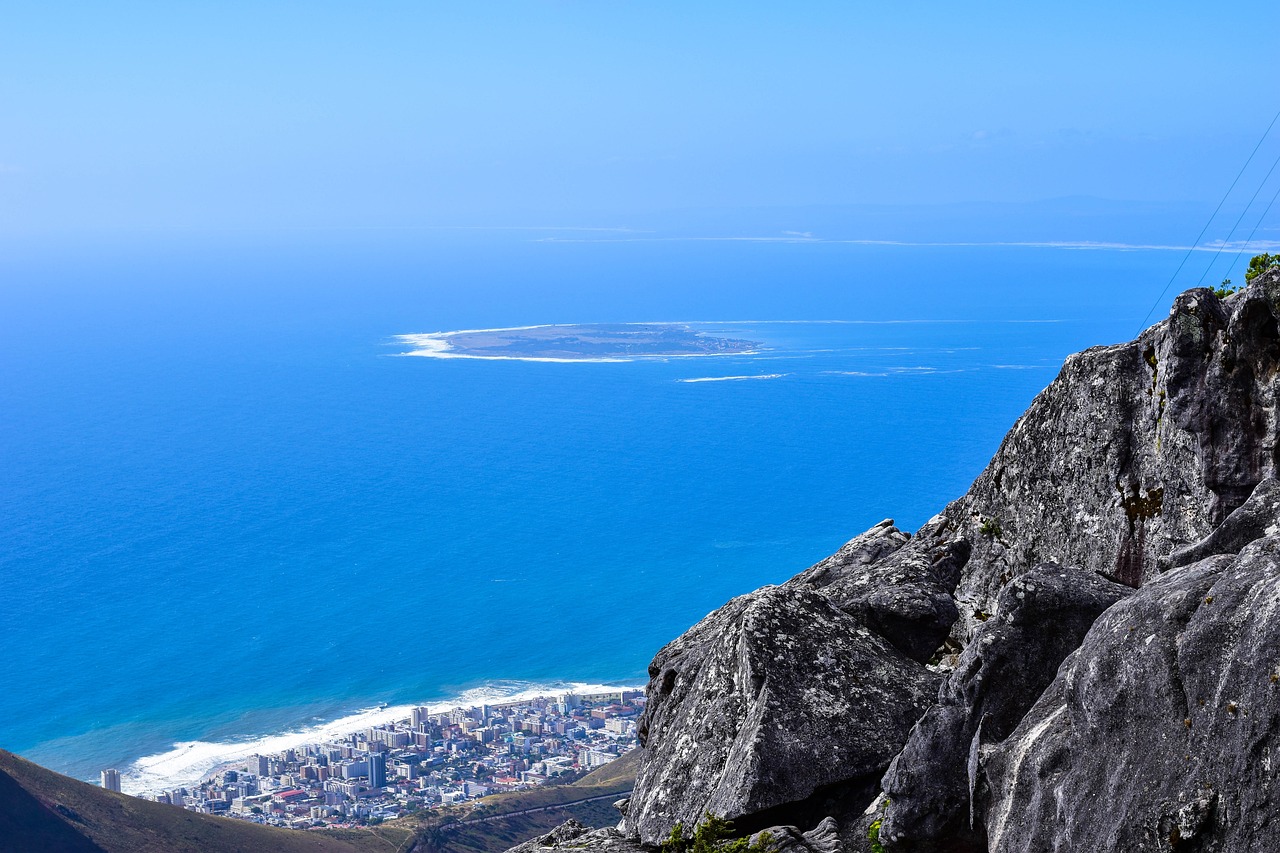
x: 426, y: 761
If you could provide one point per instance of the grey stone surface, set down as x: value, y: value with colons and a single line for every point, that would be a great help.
x: 856, y: 555
x: 573, y: 836
x: 823, y: 838
x: 1160, y: 732
x: 570, y: 830
x: 766, y: 702
x: 1040, y: 618
x: 901, y: 593
x: 1257, y: 517
x: 1134, y: 450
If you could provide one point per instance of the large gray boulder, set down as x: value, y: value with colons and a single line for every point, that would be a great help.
x: 823, y: 838
x: 1042, y: 616
x: 1161, y: 732
x: 777, y: 698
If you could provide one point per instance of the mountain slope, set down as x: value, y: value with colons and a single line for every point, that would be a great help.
x: 45, y: 811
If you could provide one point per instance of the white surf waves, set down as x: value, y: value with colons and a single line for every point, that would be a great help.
x: 187, y: 762
x: 853, y: 373
x: 735, y: 378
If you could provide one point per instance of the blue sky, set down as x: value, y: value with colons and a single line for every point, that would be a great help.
x: 403, y: 114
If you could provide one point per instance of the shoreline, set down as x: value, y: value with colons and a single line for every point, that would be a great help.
x: 187, y: 763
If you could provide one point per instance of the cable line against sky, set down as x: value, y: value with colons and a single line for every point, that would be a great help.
x: 1256, y: 225
x: 1196, y: 242
x: 1239, y: 219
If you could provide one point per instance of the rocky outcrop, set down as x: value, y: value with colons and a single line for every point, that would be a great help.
x: 1133, y: 451
x: 1042, y: 616
x: 1140, y: 485
x: 823, y: 838
x: 1161, y: 732
x: 573, y: 836
x: 902, y: 593
x: 857, y: 555
x: 570, y: 830
x: 772, y: 700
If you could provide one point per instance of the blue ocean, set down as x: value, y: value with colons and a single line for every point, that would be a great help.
x: 230, y: 507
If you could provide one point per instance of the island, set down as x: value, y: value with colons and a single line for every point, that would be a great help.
x: 578, y: 342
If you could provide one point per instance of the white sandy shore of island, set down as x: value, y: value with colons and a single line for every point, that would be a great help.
x: 189, y: 762
x: 436, y: 345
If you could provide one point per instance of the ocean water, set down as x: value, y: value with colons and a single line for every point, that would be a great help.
x: 231, y: 509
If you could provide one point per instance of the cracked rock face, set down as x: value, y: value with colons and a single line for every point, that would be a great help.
x: 1042, y: 616
x: 1160, y: 733
x: 1133, y: 450
x: 770, y: 699
x: 901, y: 593
x: 1257, y: 517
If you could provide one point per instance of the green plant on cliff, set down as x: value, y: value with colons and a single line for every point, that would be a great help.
x: 676, y: 842
x: 1225, y: 289
x: 1259, y: 264
x: 714, y: 835
x: 763, y: 844
x: 873, y: 835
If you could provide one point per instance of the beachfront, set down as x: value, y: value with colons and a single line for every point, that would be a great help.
x: 430, y: 758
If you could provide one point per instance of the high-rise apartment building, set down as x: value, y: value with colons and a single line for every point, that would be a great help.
x: 377, y: 770
x: 111, y: 780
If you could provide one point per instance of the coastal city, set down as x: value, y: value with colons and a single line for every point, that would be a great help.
x: 429, y: 760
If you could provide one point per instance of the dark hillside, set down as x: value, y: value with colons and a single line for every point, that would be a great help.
x: 45, y: 811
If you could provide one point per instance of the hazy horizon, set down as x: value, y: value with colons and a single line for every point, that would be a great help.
x: 148, y: 116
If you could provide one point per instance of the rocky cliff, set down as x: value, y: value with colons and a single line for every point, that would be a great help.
x: 1078, y: 654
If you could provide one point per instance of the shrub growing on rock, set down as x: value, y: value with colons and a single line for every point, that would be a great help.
x: 1259, y: 264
